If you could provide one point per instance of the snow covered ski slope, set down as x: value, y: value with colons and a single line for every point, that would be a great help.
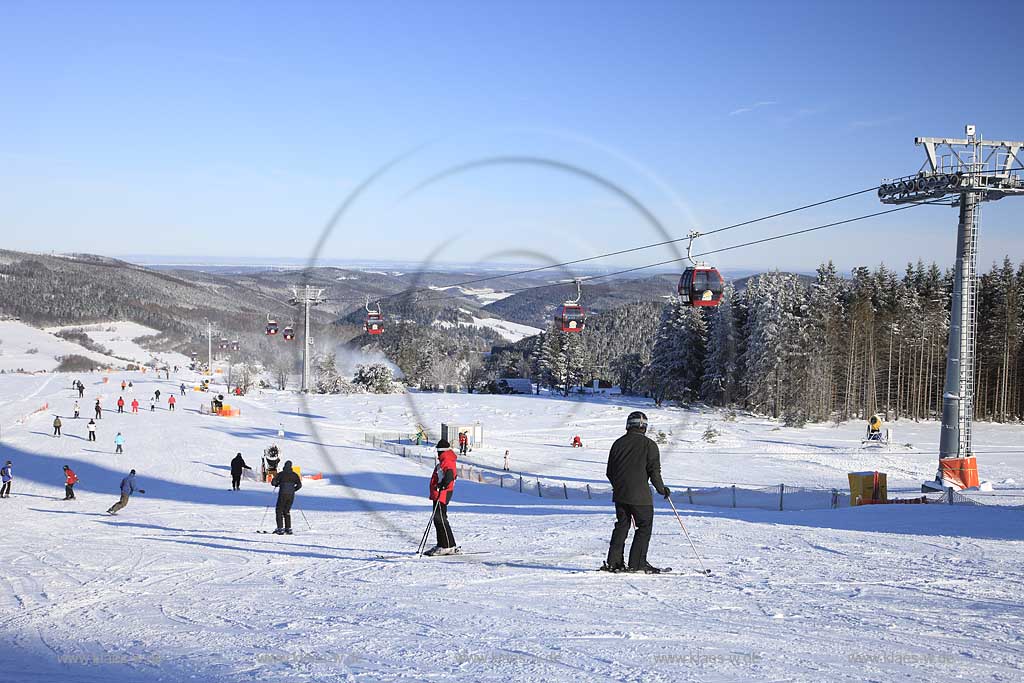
x: 179, y: 587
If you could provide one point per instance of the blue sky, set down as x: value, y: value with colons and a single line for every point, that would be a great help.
x: 236, y: 129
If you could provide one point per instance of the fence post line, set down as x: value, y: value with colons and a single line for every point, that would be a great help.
x: 566, y: 489
x: 689, y: 494
x: 520, y: 483
x: 501, y: 482
x: 539, y: 494
x: 734, y: 495
x: 782, y: 492
x: 588, y: 491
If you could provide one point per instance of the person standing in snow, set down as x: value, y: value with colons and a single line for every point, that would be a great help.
x: 287, y: 484
x: 577, y: 442
x: 99, y: 410
x: 632, y: 462
x: 506, y: 461
x: 81, y: 390
x: 156, y: 396
x: 237, y: 465
x: 182, y: 388
x: 6, y: 477
x: 123, y: 385
x: 91, y: 429
x: 120, y: 404
x: 170, y: 402
x: 57, y: 425
x: 76, y: 410
x: 463, y: 443
x: 442, y: 486
x: 118, y: 444
x: 152, y: 405
x: 135, y: 405
x: 127, y: 489
x: 70, y: 479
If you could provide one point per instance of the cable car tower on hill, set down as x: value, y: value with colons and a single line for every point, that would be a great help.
x: 967, y: 172
x: 306, y: 297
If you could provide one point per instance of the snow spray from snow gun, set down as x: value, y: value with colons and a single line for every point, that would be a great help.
x: 704, y: 570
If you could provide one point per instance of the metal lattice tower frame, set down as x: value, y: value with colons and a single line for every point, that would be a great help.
x: 967, y: 171
x: 306, y: 297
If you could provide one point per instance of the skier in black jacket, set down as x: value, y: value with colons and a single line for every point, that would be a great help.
x: 632, y: 462
x: 287, y: 484
x: 237, y: 465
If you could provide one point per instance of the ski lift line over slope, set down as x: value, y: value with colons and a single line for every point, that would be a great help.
x: 631, y: 250
x: 592, y: 278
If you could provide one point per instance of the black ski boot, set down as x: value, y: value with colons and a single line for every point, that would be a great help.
x: 613, y: 568
x: 279, y: 532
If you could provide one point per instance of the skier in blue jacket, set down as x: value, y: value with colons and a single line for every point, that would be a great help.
x: 127, y: 489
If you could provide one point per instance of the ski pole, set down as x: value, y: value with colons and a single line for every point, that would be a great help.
x: 265, y: 511
x: 706, y: 571
x: 304, y: 518
x: 423, y: 541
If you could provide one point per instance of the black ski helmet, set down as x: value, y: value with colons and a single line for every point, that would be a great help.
x: 443, y: 445
x: 636, y: 420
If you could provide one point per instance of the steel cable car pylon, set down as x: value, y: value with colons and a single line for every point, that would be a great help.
x: 573, y: 318
x: 966, y: 171
x: 700, y: 284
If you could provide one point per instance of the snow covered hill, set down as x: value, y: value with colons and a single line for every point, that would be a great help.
x: 179, y: 587
x: 23, y: 347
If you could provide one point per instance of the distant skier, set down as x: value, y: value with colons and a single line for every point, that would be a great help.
x: 442, y: 485
x: 127, y: 489
x: 135, y: 405
x: 156, y: 395
x: 124, y: 385
x: 120, y: 404
x: 237, y: 465
x: 70, y: 479
x: 56, y: 425
x: 6, y: 477
x: 288, y: 484
x: 119, y: 444
x: 99, y: 410
x: 633, y: 460
x: 463, y: 443
x: 152, y: 405
x: 76, y: 410
x: 182, y: 388
x: 91, y: 429
x: 170, y: 402
x: 81, y: 390
x: 577, y: 442
x: 506, y: 461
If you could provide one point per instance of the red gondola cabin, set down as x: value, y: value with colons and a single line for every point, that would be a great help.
x: 374, y: 322
x: 573, y: 317
x: 701, y: 286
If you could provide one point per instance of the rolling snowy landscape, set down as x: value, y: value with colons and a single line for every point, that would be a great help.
x: 179, y: 586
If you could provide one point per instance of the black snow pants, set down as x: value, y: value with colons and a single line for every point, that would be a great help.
x: 236, y: 480
x: 445, y: 538
x: 643, y: 517
x: 284, y: 510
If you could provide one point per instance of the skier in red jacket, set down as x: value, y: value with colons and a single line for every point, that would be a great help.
x: 120, y: 404
x: 135, y: 405
x: 69, y: 483
x: 577, y: 442
x: 442, y: 484
x: 463, y: 443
